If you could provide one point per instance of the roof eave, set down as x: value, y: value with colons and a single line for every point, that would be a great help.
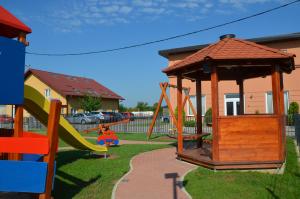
x: 260, y: 40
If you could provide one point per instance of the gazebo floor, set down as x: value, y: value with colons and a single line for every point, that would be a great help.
x: 202, y: 157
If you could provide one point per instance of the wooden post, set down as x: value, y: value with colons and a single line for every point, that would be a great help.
x: 52, y: 133
x: 276, y: 89
x: 179, y: 115
x: 18, y: 128
x: 163, y: 95
x: 278, y: 106
x: 18, y: 121
x: 281, y: 94
x: 215, y: 113
x: 22, y: 38
x: 199, y: 110
x: 163, y: 89
x: 283, y: 117
x: 155, y: 114
x: 241, y: 93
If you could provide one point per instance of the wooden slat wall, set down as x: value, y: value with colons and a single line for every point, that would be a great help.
x: 249, y: 138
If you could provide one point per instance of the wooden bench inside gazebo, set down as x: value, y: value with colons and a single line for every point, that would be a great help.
x: 245, y: 141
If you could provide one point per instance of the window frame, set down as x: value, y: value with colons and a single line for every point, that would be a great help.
x: 285, y: 93
x: 188, y: 106
x: 47, y: 93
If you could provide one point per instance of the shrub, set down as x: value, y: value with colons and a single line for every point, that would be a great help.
x: 208, y: 116
x: 183, y: 115
x: 190, y: 123
x: 293, y: 110
x: 207, y: 137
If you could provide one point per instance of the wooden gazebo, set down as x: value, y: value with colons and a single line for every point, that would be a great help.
x: 244, y: 141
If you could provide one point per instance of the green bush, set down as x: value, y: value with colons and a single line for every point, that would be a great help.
x: 190, y: 123
x: 207, y: 137
x: 208, y: 116
x: 183, y: 115
x: 293, y: 109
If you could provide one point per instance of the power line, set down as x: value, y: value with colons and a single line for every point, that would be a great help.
x: 168, y: 38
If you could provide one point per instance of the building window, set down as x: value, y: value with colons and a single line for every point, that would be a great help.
x: 269, y: 102
x: 193, y: 100
x: 232, y: 104
x: 47, y: 93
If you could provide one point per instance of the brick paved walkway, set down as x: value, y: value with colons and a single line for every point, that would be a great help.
x: 154, y: 174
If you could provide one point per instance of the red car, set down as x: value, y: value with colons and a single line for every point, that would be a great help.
x: 6, y: 119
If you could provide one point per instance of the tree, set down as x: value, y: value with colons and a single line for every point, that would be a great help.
x: 143, y: 106
x: 293, y: 110
x: 122, y: 108
x: 90, y: 103
x: 208, y: 116
x: 183, y: 115
x: 155, y: 106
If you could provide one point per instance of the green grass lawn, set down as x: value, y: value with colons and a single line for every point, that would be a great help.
x: 205, y: 184
x: 80, y: 175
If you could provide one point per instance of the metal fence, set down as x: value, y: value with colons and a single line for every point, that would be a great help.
x: 142, y: 124
x: 162, y: 126
x: 137, y: 125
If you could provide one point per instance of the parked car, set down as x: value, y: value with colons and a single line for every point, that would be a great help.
x: 128, y: 115
x: 119, y: 116
x: 6, y: 119
x: 82, y: 118
x: 113, y: 116
x: 99, y: 115
x: 108, y: 115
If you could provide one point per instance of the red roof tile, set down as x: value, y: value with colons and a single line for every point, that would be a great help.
x: 11, y: 26
x: 230, y: 49
x: 67, y: 85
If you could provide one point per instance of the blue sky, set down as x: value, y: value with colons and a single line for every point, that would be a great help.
x: 87, y: 25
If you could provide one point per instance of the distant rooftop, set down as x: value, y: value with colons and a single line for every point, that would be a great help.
x: 68, y: 85
x: 260, y: 40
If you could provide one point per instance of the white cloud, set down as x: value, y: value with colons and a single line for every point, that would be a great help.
x: 73, y: 15
x: 125, y: 9
x: 242, y: 4
x: 111, y: 9
x: 153, y: 10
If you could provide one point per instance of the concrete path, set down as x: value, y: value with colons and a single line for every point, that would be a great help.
x: 154, y: 174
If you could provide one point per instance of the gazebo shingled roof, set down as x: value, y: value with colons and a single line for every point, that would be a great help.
x: 238, y: 53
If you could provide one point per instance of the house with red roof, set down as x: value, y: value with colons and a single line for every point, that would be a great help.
x: 70, y: 90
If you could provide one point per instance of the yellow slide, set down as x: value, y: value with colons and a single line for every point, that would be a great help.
x: 38, y: 106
